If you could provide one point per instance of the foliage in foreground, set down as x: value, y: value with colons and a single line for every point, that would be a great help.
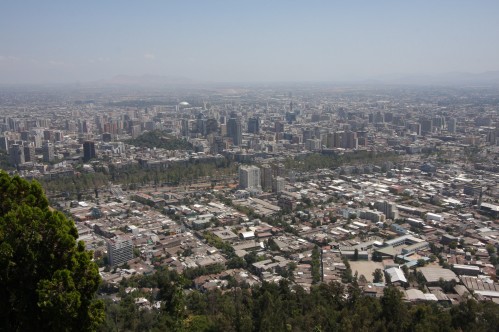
x: 47, y: 279
x: 281, y: 307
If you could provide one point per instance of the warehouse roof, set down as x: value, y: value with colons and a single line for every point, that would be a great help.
x: 434, y: 274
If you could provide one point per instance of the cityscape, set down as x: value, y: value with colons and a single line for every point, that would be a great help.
x: 152, y: 202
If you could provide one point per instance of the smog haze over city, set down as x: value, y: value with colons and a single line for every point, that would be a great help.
x: 246, y: 41
x: 249, y: 166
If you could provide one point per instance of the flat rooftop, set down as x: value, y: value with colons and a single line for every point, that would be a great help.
x: 434, y: 274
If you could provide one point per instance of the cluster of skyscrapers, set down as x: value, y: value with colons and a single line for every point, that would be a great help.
x: 256, y: 179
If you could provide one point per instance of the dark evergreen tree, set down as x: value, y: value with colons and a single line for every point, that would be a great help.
x: 47, y: 279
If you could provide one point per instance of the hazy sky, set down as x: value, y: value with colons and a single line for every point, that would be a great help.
x: 70, y: 41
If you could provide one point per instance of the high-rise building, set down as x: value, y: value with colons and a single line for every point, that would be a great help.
x: 223, y: 130
x: 415, y: 128
x: 438, y: 122
x: 29, y: 153
x: 234, y: 129
x: 13, y: 124
x: 38, y: 139
x: 389, y: 209
x: 48, y: 135
x: 330, y: 140
x: 426, y: 126
x: 201, y: 124
x: 266, y: 173
x: 58, y: 136
x: 308, y: 134
x: 99, y: 120
x: 290, y: 117
x: 48, y: 152
x: 278, y: 184
x: 254, y: 125
x: 351, y: 141
x: 119, y: 250
x: 451, y: 125
x: 491, y: 136
x: 249, y: 177
x: 184, y: 127
x: 218, y: 145
x: 313, y: 144
x: 16, y: 153
x: 84, y: 127
x: 338, y: 139
x: 44, y: 123
x: 135, y: 130
x: 88, y: 150
x: 4, y: 143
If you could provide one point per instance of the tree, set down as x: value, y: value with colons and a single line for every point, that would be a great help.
x: 356, y: 254
x: 316, y: 265
x: 405, y: 269
x: 394, y: 309
x: 388, y: 278
x: 490, y: 249
x: 378, y: 275
x: 377, y: 257
x: 421, y: 262
x: 447, y: 286
x: 346, y: 275
x: 272, y: 245
x: 47, y: 279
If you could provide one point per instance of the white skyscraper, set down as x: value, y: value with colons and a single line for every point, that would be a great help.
x: 119, y: 250
x: 249, y: 177
x: 451, y: 125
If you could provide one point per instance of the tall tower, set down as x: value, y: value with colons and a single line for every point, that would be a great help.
x: 278, y: 184
x: 351, y: 141
x: 185, y: 130
x: 426, y: 126
x: 249, y: 177
x: 88, y: 150
x: 254, y: 125
x: 16, y: 153
x: 234, y: 129
x: 119, y: 250
x: 451, y: 125
x: 29, y: 153
x: 48, y: 152
x: 266, y: 173
x: 4, y: 143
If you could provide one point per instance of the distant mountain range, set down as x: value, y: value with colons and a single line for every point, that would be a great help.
x: 453, y: 78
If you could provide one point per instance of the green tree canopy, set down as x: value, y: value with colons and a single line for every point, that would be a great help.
x: 47, y: 279
x: 160, y: 139
x: 378, y: 275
